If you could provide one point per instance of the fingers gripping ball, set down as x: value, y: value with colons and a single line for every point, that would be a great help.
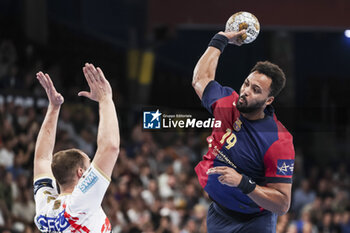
x: 244, y: 20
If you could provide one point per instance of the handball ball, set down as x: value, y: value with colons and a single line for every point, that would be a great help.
x: 244, y: 20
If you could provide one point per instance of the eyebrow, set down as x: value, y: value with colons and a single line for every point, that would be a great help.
x: 254, y: 85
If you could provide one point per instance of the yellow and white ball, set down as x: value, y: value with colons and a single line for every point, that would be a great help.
x: 244, y: 20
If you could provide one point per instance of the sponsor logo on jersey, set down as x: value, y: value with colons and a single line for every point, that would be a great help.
x: 88, y: 182
x: 285, y: 167
x: 55, y: 224
x: 237, y: 125
x: 222, y: 157
x: 151, y: 120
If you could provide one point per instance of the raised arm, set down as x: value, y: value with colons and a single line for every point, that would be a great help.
x: 204, y: 72
x: 108, y: 139
x: 46, y: 138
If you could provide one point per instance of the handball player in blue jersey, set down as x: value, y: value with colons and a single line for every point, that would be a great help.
x: 247, y: 171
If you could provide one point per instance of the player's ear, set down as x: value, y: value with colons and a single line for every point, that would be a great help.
x: 269, y: 100
x: 80, y: 172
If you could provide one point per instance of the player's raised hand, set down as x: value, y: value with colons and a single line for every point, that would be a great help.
x: 55, y: 98
x: 228, y: 175
x: 235, y: 37
x: 100, y: 88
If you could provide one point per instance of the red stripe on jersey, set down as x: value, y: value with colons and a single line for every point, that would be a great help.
x: 202, y: 168
x: 72, y: 221
x: 280, y: 149
x: 106, y: 227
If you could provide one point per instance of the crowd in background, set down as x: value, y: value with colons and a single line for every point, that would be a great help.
x: 154, y: 187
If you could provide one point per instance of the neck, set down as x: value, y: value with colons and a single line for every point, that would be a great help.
x: 253, y: 116
x: 66, y: 189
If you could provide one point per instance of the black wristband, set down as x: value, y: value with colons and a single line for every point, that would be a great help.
x: 219, y: 41
x: 247, y: 185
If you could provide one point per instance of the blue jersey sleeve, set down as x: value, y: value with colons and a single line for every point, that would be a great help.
x: 212, y: 93
x: 41, y: 183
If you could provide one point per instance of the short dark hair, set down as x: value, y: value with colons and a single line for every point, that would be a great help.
x: 274, y: 72
x: 64, y: 164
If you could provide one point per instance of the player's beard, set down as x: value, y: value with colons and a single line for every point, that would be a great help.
x: 244, y: 107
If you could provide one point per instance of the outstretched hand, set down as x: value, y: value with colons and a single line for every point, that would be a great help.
x: 100, y: 88
x: 55, y: 98
x: 235, y: 37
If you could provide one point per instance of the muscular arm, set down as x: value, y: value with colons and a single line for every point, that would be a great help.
x: 108, y: 139
x: 46, y: 138
x: 204, y: 72
x: 45, y: 142
x: 275, y: 197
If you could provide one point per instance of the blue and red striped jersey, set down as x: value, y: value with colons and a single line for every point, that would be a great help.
x: 261, y: 149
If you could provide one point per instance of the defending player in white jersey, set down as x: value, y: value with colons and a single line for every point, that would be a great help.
x: 77, y: 208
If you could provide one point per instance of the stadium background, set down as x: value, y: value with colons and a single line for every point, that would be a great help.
x: 148, y: 50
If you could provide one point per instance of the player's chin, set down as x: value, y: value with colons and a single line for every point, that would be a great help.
x: 242, y: 105
x: 245, y: 109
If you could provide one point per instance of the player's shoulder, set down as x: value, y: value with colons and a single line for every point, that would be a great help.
x: 283, y: 133
x: 284, y: 140
x: 217, y: 91
x: 217, y: 96
x: 47, y: 205
x: 227, y: 97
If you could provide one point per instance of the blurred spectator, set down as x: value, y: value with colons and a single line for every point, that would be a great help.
x: 305, y: 224
x: 327, y: 225
x: 164, y: 226
x: 149, y: 194
x: 324, y: 189
x: 85, y: 141
x: 65, y: 123
x: 23, y: 210
x: 166, y: 183
x: 6, y: 190
x: 302, y: 196
x: 7, y: 155
x: 345, y: 221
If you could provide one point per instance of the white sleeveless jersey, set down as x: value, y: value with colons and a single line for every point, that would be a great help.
x: 78, y: 212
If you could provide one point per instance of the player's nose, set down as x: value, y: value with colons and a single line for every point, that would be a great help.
x: 245, y: 92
